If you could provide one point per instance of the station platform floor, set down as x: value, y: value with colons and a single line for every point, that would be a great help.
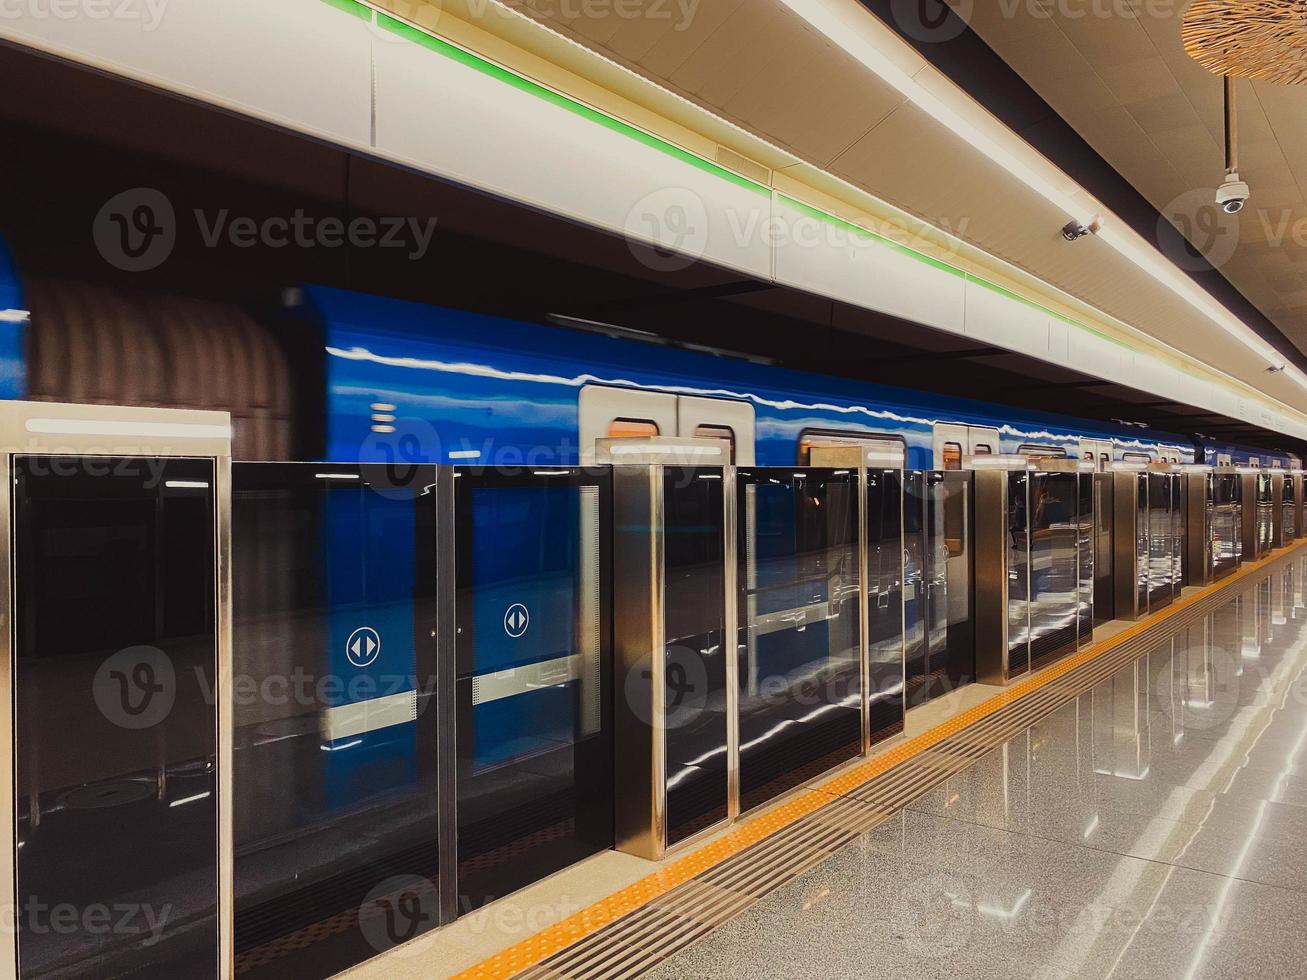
x: 1137, y: 811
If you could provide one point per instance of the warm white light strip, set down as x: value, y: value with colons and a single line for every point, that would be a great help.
x: 465, y: 454
x: 865, y: 38
x: 664, y: 450
x: 186, y: 485
x: 956, y: 110
x: 14, y: 316
x: 336, y: 476
x: 117, y: 427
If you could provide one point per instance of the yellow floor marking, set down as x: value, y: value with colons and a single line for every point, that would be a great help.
x: 588, y: 921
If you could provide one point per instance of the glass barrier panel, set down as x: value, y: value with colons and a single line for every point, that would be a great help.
x: 885, y: 590
x: 335, y: 757
x: 800, y: 676
x: 1086, y: 545
x: 1143, y: 542
x: 1104, y: 585
x: 535, y: 746
x: 916, y: 607
x: 1265, y: 514
x: 1054, y: 567
x: 1177, y: 533
x: 1018, y: 572
x: 694, y: 562
x: 945, y: 644
x: 1225, y: 518
x: 115, y: 659
x: 1161, y: 548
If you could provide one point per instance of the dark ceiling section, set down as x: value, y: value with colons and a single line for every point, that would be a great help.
x: 73, y: 138
x: 959, y: 53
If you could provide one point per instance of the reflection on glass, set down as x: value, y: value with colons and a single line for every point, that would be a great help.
x: 1143, y: 542
x: 1161, y: 546
x: 1054, y: 565
x: 1265, y: 514
x: 1288, y: 510
x: 115, y: 655
x: 885, y: 591
x: 800, y: 677
x: 1177, y: 534
x: 1086, y: 542
x: 695, y: 668
x: 1018, y: 573
x: 1104, y: 586
x: 940, y: 633
x: 335, y: 718
x: 534, y: 732
x: 1225, y: 519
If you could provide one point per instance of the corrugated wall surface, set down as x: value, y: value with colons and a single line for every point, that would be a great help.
x: 96, y: 345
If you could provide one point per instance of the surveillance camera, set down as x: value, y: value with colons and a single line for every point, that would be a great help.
x: 1073, y: 231
x: 1233, y: 194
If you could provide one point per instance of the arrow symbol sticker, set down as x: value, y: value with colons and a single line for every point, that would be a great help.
x: 516, y: 620
x: 363, y: 646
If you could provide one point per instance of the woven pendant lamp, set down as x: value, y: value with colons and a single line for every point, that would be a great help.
x: 1263, y: 39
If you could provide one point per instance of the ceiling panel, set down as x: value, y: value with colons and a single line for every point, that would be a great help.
x: 1123, y: 81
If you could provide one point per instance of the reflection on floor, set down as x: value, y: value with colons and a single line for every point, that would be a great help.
x: 1154, y: 827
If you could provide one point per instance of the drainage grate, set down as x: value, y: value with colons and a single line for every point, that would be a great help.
x: 640, y: 940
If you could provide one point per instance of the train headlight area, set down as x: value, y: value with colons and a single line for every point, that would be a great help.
x: 297, y: 714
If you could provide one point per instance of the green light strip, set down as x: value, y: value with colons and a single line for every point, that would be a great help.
x: 494, y: 71
x: 470, y: 60
x: 352, y: 7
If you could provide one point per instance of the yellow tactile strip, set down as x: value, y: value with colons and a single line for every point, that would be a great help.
x: 530, y: 952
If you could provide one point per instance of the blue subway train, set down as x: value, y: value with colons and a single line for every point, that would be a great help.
x: 415, y: 383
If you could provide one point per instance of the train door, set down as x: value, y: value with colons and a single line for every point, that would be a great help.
x: 1099, y: 451
x: 617, y: 413
x: 954, y: 441
x: 719, y: 418
x: 984, y: 441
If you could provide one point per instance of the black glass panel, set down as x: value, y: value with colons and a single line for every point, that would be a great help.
x: 885, y: 601
x: 916, y: 606
x: 1288, y: 511
x: 694, y: 611
x: 535, y: 750
x: 1225, y: 521
x: 335, y: 715
x: 1104, y: 584
x: 1054, y: 568
x: 1142, y: 542
x: 1018, y: 573
x: 1086, y: 547
x: 116, y: 659
x: 800, y: 640
x: 940, y: 631
x: 1161, y: 544
x: 1177, y: 533
x: 1265, y: 514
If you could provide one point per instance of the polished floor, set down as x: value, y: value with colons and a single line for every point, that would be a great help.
x: 1156, y: 826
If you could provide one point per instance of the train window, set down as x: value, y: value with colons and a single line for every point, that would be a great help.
x: 895, y: 447
x: 982, y: 449
x: 952, y: 456
x: 1136, y: 458
x: 1036, y: 451
x: 707, y: 431
x: 1089, y: 455
x: 632, y: 429
x: 1105, y: 457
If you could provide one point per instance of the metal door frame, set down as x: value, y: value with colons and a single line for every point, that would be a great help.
x: 56, y: 429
